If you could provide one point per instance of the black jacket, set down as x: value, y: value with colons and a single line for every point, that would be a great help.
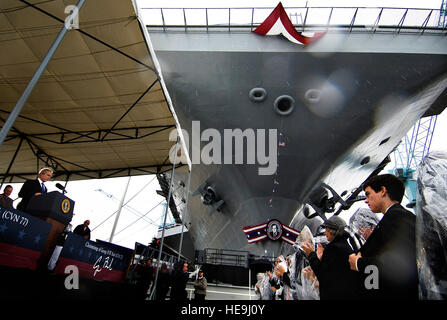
x: 178, y: 287
x: 164, y: 281
x: 6, y: 202
x: 29, y: 188
x: 391, y: 247
x: 79, y: 230
x: 146, y: 274
x: 337, y: 280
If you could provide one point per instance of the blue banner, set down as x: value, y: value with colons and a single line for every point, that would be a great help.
x: 98, y: 260
x: 22, y: 238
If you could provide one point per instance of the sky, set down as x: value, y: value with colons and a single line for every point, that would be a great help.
x: 98, y: 200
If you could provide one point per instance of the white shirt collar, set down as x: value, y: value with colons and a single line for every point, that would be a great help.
x: 40, y: 181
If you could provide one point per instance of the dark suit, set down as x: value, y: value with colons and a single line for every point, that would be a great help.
x: 146, y: 276
x: 391, y: 247
x: 5, y: 202
x: 164, y: 282
x: 83, y: 231
x: 178, y: 288
x: 337, y: 280
x: 29, y: 188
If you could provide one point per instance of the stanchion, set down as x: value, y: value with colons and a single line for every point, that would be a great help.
x: 154, y: 287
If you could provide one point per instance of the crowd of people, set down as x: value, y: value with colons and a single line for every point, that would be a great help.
x: 367, y: 259
x: 172, y: 282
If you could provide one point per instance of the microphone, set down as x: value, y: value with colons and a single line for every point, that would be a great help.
x: 61, y: 187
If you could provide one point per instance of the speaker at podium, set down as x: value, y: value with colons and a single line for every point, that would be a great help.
x: 57, y: 209
x: 53, y: 205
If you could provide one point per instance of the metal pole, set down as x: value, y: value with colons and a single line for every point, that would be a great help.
x: 119, y: 210
x: 181, y: 242
x: 186, y: 211
x: 154, y: 287
x: 30, y: 87
x: 67, y: 177
x: 249, y: 283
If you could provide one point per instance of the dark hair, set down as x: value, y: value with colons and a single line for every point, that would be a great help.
x: 8, y: 186
x: 394, y: 186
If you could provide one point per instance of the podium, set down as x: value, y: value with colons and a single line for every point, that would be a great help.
x: 57, y: 209
x: 53, y: 205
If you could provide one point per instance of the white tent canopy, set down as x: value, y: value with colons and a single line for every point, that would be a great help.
x: 98, y: 110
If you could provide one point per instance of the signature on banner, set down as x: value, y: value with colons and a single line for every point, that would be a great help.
x: 106, y: 265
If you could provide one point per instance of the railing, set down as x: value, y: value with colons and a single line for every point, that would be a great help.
x: 233, y: 258
x: 142, y: 253
x: 226, y: 257
x: 304, y: 18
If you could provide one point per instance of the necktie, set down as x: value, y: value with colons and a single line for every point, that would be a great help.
x: 43, y: 188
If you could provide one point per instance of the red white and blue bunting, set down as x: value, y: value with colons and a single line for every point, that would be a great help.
x: 278, y: 22
x: 255, y: 233
x: 272, y: 230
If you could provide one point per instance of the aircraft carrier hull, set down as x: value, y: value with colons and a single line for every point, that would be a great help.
x: 353, y: 97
